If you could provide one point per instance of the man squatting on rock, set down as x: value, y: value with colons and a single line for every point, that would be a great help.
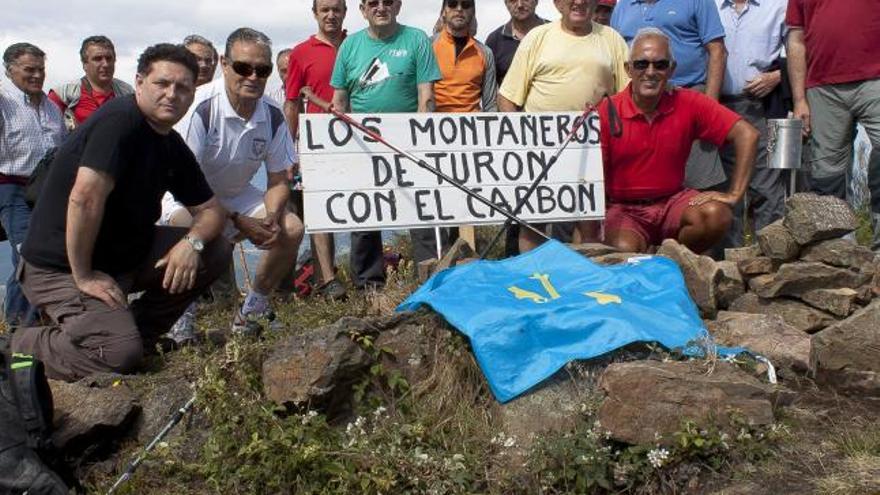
x: 93, y: 239
x: 645, y: 165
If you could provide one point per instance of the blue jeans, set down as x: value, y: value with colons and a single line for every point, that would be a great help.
x: 15, y: 215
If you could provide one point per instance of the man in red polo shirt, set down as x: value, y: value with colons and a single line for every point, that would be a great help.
x: 645, y: 164
x: 311, y: 65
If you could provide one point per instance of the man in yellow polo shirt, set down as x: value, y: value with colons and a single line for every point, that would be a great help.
x: 564, y: 66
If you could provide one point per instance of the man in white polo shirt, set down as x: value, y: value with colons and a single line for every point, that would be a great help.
x: 234, y: 130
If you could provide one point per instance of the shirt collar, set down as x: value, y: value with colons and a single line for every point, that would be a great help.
x: 629, y: 110
x: 447, y: 36
x: 20, y: 95
x: 729, y: 3
x: 507, y: 29
x: 316, y: 41
x: 230, y: 113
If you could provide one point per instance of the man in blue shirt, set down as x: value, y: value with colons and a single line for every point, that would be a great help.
x: 754, y: 36
x: 697, y: 37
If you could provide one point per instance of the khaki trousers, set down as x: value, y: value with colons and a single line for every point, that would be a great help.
x: 90, y: 337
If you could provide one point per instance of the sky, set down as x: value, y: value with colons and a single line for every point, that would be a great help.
x: 58, y: 26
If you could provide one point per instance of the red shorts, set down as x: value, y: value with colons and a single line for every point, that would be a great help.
x: 653, y: 220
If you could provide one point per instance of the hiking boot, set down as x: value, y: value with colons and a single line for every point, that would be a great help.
x: 246, y: 325
x: 333, y: 290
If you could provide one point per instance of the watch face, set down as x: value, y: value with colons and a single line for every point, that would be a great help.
x: 196, y: 244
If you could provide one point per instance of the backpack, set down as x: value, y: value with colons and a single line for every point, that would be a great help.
x: 38, y: 177
x: 25, y: 426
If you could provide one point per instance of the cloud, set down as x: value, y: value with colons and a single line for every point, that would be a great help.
x: 58, y: 26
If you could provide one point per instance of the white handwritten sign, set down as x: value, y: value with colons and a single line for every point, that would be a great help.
x: 351, y: 182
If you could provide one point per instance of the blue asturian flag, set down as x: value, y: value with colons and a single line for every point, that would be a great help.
x: 528, y: 316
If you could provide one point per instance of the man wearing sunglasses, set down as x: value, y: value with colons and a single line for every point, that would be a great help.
x: 311, y: 65
x: 564, y: 66
x: 697, y: 36
x: 385, y: 68
x: 645, y: 164
x: 234, y: 130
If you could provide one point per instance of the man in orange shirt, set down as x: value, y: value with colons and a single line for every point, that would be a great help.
x: 468, y: 67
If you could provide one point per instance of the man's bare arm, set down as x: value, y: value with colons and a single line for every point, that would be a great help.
x: 85, y: 212
x: 505, y: 105
x: 426, y: 97
x: 292, y: 109
x: 715, y: 69
x: 341, y: 100
x: 181, y: 262
x: 744, y: 139
x: 796, y: 51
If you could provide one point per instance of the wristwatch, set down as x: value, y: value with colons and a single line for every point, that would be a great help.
x: 196, y: 243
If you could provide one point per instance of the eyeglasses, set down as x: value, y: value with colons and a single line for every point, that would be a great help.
x: 372, y: 4
x: 661, y: 64
x: 245, y: 69
x: 465, y: 4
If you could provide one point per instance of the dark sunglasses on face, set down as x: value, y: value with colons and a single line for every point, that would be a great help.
x: 465, y: 4
x: 375, y: 3
x: 662, y: 64
x: 245, y: 69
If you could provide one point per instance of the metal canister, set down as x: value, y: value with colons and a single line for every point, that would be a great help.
x: 784, y: 145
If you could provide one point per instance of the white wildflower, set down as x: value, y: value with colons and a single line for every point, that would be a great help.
x: 658, y: 457
x: 510, y: 442
x: 379, y: 411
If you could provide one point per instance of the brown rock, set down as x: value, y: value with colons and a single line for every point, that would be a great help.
x: 650, y: 398
x: 701, y: 274
x: 756, y: 266
x: 426, y: 269
x: 810, y: 217
x: 795, y: 313
x: 317, y: 367
x: 615, y: 258
x: 768, y: 335
x: 841, y: 253
x: 840, y: 302
x: 459, y: 250
x: 794, y: 279
x: 593, y: 249
x: 846, y: 355
x: 777, y: 242
x: 730, y: 284
x: 158, y: 405
x: 88, y: 415
x: 742, y: 253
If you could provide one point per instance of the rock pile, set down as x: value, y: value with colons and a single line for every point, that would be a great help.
x: 811, y: 287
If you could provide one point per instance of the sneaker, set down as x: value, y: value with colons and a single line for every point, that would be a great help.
x: 184, y: 330
x: 333, y: 290
x: 246, y: 325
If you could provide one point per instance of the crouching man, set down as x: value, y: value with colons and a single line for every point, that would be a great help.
x: 645, y: 164
x: 93, y: 238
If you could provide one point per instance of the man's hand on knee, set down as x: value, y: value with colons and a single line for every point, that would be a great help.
x: 181, y: 267
x: 705, y: 197
x: 254, y: 230
x: 102, y: 287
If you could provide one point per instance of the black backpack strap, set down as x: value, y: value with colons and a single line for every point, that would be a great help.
x: 33, y: 397
x: 276, y: 119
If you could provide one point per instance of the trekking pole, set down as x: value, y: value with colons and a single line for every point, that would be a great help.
x: 511, y: 217
x: 132, y: 467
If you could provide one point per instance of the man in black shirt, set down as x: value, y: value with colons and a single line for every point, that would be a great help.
x: 93, y: 238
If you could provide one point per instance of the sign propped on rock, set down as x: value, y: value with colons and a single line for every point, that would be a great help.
x: 352, y: 182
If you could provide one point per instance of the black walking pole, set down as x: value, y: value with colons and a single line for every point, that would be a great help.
x: 615, y: 131
x: 511, y: 217
x: 132, y: 467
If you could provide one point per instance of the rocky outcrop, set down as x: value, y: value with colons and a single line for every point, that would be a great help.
x: 317, y: 367
x: 794, y: 279
x: 846, y: 355
x: 777, y: 243
x: 810, y: 217
x: 647, y: 400
x: 701, y: 274
x: 90, y: 414
x: 767, y: 335
x: 795, y: 313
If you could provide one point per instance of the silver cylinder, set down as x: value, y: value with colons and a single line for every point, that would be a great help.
x: 784, y: 144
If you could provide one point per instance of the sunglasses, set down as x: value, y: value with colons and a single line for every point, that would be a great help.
x: 245, y: 69
x: 372, y: 4
x: 465, y: 4
x: 662, y: 64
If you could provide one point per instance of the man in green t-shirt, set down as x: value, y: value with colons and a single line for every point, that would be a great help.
x: 385, y: 68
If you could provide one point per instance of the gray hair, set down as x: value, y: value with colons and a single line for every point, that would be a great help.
x: 652, y: 32
x: 195, y: 39
x: 248, y: 35
x: 16, y: 50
